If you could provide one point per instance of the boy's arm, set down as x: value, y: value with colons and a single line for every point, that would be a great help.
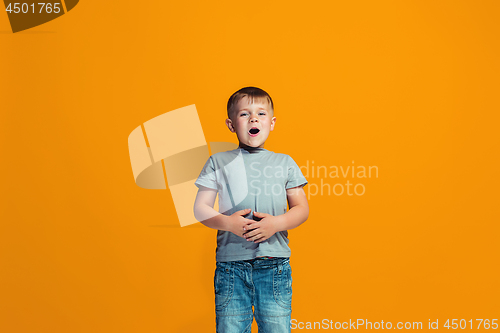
x: 269, y: 224
x: 208, y: 216
x: 298, y: 212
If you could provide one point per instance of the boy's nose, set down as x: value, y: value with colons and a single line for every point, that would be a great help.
x: 255, y: 119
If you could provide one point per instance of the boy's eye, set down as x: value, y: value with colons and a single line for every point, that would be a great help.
x: 243, y: 114
x: 262, y: 113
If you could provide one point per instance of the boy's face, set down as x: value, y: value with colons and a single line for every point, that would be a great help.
x: 251, y: 122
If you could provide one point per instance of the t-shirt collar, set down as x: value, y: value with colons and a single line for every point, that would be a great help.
x: 252, y: 150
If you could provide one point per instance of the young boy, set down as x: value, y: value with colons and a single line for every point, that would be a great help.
x: 254, y: 185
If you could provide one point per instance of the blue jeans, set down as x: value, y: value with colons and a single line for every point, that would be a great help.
x: 265, y: 284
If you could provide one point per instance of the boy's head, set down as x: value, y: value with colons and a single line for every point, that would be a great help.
x: 250, y: 113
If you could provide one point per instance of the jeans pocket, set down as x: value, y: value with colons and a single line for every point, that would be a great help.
x: 283, y: 285
x: 223, y: 285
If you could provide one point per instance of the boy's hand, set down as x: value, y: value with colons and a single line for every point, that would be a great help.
x: 259, y: 231
x: 237, y: 222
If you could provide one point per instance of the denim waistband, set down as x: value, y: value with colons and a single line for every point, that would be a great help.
x: 259, y: 262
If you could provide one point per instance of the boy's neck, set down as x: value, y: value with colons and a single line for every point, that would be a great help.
x: 250, y: 149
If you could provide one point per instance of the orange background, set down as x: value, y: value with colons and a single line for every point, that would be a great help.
x: 411, y: 87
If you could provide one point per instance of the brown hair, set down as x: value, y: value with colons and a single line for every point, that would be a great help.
x: 251, y: 93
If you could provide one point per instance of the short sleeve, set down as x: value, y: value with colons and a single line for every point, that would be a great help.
x: 207, y: 176
x: 295, y: 176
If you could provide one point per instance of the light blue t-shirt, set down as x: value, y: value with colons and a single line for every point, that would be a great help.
x: 253, y: 178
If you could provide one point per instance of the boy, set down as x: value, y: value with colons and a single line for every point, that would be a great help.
x: 254, y: 185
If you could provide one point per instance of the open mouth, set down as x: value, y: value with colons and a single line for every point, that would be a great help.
x: 254, y: 131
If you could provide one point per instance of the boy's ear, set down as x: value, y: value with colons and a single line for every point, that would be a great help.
x: 273, y: 121
x: 229, y: 124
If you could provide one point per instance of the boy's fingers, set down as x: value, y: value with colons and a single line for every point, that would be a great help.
x: 252, y: 233
x: 253, y: 236
x: 260, y: 214
x: 247, y: 235
x: 243, y: 211
x: 259, y: 239
x: 251, y: 226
